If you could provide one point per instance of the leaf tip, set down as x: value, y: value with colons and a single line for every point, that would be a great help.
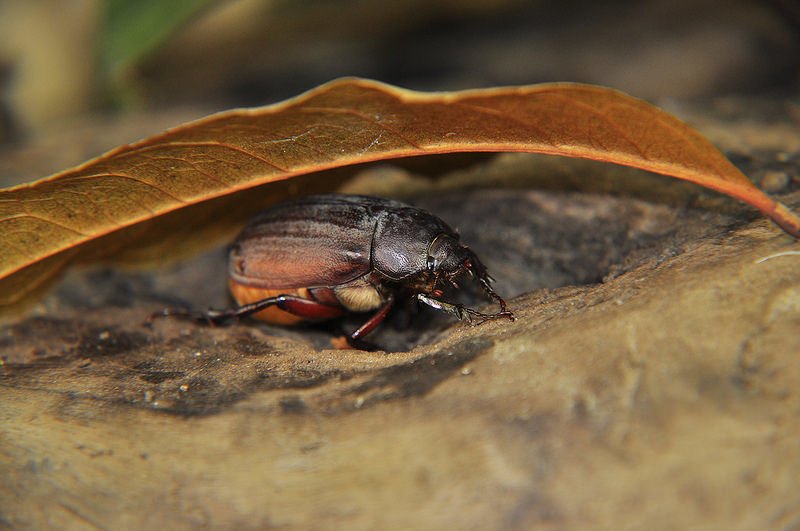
x: 786, y: 219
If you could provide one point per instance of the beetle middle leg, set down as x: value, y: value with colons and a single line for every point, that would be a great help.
x: 376, y: 319
x: 462, y: 312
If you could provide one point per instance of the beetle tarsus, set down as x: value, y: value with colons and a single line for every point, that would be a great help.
x: 214, y: 317
x: 464, y: 313
x: 211, y: 317
x: 483, y: 317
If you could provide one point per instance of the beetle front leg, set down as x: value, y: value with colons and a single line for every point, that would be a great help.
x: 484, y: 281
x: 462, y: 312
x: 459, y: 311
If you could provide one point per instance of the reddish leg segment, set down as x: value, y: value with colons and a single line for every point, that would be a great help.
x: 299, y: 306
x: 373, y: 321
x: 305, y: 308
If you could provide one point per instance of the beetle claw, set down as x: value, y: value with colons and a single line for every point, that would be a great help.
x: 505, y: 313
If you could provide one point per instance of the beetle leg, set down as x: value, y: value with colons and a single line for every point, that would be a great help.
x: 456, y: 310
x: 376, y: 319
x: 493, y: 294
x: 289, y: 303
x: 462, y: 312
x: 295, y: 305
x: 307, y: 308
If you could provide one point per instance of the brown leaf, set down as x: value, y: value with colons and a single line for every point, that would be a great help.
x: 187, y: 176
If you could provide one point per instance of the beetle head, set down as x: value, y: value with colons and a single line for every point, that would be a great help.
x: 448, y: 260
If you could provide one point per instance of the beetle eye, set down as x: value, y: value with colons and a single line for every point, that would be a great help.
x: 432, y: 263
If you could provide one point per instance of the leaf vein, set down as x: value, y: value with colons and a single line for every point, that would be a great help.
x: 362, y: 116
x: 232, y: 147
x: 43, y: 219
x: 546, y: 136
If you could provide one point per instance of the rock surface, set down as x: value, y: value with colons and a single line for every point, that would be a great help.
x: 650, y: 381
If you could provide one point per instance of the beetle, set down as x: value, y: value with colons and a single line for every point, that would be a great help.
x: 324, y: 256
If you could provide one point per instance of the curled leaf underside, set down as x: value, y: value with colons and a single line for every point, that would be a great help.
x: 148, y: 185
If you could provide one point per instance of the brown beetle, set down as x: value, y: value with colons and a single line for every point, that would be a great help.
x: 321, y: 257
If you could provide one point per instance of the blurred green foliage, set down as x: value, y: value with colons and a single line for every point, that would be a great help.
x: 131, y: 29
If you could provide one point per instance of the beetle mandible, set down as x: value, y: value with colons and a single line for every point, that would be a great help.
x: 324, y: 256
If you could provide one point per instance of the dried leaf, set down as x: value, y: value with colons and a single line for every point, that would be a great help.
x: 143, y: 191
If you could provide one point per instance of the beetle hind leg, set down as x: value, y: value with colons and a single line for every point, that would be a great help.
x: 304, y: 308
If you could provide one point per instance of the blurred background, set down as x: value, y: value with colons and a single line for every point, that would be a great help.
x: 131, y: 68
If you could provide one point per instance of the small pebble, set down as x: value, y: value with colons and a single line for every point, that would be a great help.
x: 775, y: 181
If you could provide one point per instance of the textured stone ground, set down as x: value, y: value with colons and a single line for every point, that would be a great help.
x: 650, y: 381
